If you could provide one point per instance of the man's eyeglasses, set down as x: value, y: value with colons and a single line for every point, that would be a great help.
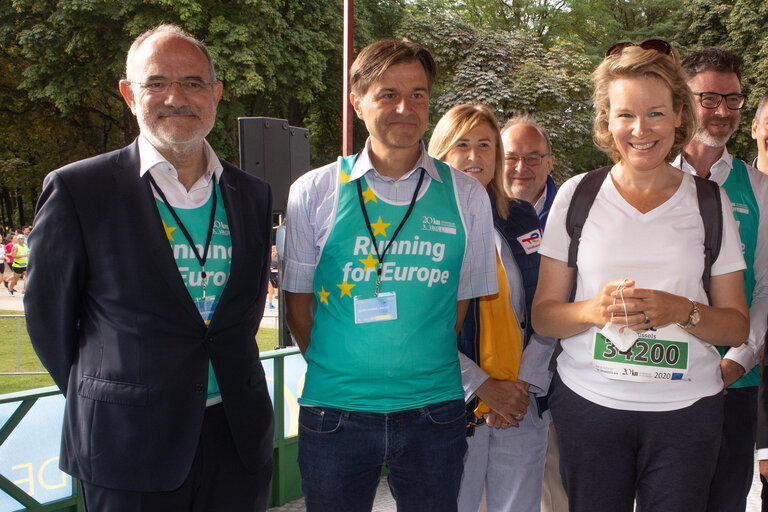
x: 659, y: 45
x: 531, y: 159
x: 189, y: 86
x: 734, y: 101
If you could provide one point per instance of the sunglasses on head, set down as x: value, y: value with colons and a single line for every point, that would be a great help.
x: 658, y: 45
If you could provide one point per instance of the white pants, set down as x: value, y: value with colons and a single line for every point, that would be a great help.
x: 553, y: 497
x: 508, y: 464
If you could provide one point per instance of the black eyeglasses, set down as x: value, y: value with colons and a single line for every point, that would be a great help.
x: 658, y: 45
x: 188, y: 86
x: 531, y: 159
x: 734, y: 101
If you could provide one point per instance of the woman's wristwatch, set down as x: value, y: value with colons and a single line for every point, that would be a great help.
x: 693, y: 318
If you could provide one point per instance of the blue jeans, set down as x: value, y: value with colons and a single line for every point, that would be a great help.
x: 341, y: 454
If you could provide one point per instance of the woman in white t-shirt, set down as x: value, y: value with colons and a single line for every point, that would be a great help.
x: 644, y: 423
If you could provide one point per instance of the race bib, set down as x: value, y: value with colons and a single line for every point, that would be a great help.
x: 658, y: 355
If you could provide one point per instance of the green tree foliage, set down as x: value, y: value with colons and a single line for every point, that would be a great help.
x: 61, y: 61
x: 513, y: 73
x: 594, y: 25
x: 373, y: 20
x: 737, y: 26
x: 537, y: 16
x: 598, y: 24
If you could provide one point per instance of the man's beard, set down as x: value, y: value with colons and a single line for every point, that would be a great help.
x: 703, y: 136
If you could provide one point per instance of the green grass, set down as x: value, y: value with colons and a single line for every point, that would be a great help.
x: 28, y: 361
x: 266, y: 339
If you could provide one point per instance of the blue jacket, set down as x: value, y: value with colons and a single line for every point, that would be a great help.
x: 521, y: 225
x: 550, y: 197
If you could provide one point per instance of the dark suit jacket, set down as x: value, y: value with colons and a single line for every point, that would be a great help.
x: 111, y: 319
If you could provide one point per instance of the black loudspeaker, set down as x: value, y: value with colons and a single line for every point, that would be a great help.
x: 275, y: 152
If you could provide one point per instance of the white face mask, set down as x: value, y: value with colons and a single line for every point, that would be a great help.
x: 620, y: 335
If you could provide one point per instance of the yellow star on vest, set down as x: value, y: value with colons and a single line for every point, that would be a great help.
x: 370, y: 262
x: 344, y: 177
x: 345, y: 288
x: 379, y: 228
x: 168, y: 232
x: 323, y: 295
x: 370, y: 196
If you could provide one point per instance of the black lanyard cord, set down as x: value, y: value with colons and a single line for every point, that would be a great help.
x: 402, y: 223
x: 201, y: 259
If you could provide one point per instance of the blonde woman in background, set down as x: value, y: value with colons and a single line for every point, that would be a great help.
x: 503, y: 364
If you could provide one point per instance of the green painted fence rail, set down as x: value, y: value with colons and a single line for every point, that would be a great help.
x: 285, y: 481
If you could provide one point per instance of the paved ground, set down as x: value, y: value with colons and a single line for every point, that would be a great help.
x: 11, y: 303
x: 385, y: 503
x: 270, y: 318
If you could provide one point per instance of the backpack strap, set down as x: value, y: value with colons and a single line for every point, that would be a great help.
x: 711, y: 211
x: 578, y: 210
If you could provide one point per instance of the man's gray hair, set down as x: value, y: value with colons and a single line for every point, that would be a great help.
x: 173, y: 30
x: 761, y: 104
x: 528, y: 120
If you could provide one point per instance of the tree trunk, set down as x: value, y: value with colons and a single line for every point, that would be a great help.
x: 8, y: 207
x: 20, y: 207
x: 33, y: 195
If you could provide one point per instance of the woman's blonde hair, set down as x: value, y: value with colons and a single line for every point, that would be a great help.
x: 453, y: 126
x: 635, y: 62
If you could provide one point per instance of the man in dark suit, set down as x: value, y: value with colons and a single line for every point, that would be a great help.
x: 166, y: 401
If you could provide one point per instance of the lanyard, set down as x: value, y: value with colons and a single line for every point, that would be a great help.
x: 201, y: 259
x: 370, y: 230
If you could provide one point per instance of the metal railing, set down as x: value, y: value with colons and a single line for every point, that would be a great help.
x: 286, y: 484
x: 21, y: 339
x: 26, y: 401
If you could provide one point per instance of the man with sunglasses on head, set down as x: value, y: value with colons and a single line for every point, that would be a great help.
x: 167, y: 406
x: 714, y: 76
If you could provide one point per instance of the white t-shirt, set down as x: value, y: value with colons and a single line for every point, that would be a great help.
x: 662, y: 249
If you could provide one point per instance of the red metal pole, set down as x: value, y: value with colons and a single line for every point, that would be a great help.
x: 347, y: 111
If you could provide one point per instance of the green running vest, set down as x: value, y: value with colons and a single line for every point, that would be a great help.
x: 217, y: 265
x: 399, y: 364
x: 747, y: 213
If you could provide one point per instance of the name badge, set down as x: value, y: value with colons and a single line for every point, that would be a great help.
x: 206, y: 307
x: 376, y: 309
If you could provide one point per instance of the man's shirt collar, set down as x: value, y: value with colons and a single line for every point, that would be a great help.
x: 150, y: 158
x: 719, y: 170
x: 364, y: 165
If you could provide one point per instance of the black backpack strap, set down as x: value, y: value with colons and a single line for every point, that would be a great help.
x: 711, y: 211
x: 578, y: 210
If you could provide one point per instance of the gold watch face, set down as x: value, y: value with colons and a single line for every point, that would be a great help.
x: 695, y: 317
